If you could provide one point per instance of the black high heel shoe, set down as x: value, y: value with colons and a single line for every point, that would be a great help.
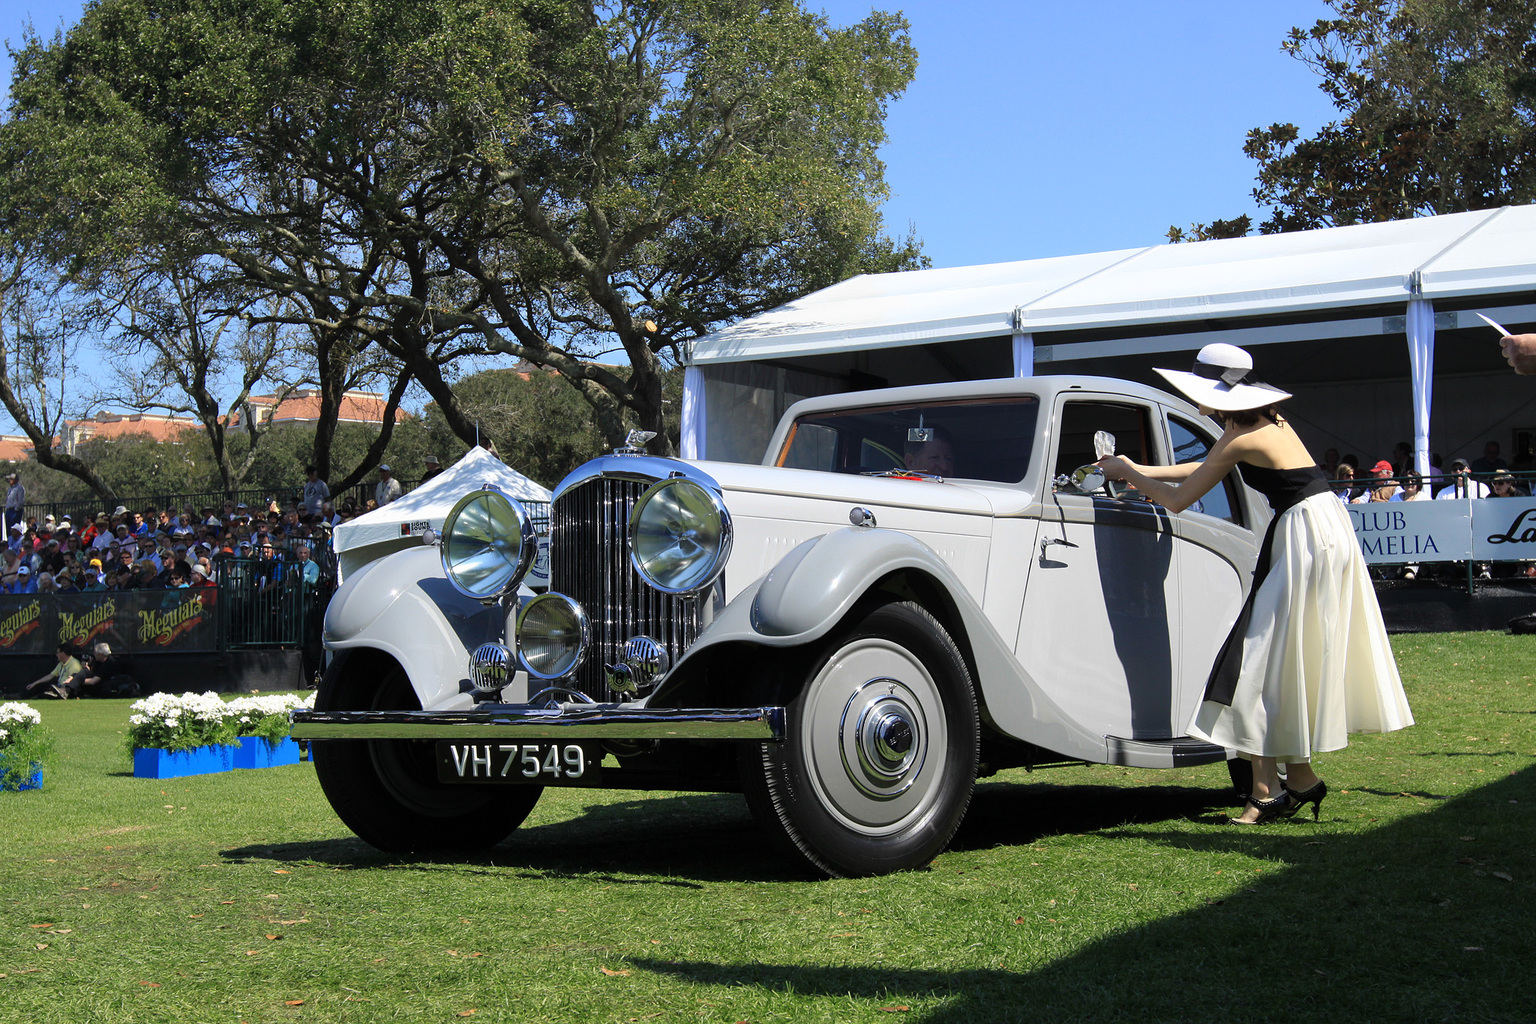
x: 1313, y: 796
x: 1275, y: 807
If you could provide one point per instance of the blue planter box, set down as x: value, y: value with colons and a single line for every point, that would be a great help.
x: 33, y: 781
x: 256, y: 752
x: 157, y: 763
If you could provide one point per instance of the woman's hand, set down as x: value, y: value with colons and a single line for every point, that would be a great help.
x: 1117, y: 467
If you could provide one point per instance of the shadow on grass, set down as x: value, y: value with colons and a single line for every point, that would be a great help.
x: 712, y: 837
x: 1426, y: 919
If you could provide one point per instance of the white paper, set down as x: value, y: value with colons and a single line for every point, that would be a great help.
x: 1494, y: 324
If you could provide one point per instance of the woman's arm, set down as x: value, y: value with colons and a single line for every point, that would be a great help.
x: 1175, y: 493
x: 1172, y: 474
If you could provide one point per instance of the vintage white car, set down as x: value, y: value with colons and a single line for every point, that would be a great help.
x: 918, y: 587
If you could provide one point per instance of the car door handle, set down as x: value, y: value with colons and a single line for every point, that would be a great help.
x: 1044, y: 544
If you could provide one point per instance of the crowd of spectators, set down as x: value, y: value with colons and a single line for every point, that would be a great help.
x: 1395, y: 479
x: 150, y: 548
x: 1488, y: 476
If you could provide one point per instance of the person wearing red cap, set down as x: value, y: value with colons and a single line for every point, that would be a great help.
x: 1308, y: 661
x: 1383, y: 485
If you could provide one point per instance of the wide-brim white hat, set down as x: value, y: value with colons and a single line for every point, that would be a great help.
x: 1222, y: 379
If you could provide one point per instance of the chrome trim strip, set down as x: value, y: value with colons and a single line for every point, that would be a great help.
x: 493, y: 721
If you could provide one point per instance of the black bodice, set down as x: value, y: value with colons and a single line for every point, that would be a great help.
x: 1284, y: 487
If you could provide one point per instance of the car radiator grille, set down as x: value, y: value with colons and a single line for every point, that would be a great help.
x: 589, y: 562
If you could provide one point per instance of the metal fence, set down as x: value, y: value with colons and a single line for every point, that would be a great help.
x: 269, y: 604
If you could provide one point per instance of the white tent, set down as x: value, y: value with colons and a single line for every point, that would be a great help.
x: 1406, y: 279
x: 401, y: 523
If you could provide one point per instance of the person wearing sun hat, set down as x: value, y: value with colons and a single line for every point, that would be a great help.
x: 1308, y: 661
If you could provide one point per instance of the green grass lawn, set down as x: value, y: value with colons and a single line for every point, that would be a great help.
x: 1073, y: 894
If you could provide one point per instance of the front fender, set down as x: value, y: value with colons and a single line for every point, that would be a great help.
x: 404, y: 606
x: 812, y: 588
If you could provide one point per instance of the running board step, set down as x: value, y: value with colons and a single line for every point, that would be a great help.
x: 1175, y: 753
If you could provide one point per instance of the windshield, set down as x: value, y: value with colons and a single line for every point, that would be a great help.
x: 972, y: 440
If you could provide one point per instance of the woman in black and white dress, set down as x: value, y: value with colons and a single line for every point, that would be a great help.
x: 1307, y: 662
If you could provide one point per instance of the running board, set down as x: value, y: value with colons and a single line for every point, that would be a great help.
x: 1175, y: 753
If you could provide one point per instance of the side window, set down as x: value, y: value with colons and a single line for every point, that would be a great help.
x: 1190, y: 444
x: 1080, y: 420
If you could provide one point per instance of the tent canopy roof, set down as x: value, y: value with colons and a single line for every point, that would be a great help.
x: 433, y: 500
x: 1485, y: 252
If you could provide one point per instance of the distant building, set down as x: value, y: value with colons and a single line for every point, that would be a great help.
x: 15, y: 448
x: 110, y: 426
x: 304, y: 407
x: 298, y: 407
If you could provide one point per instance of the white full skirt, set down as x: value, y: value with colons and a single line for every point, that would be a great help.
x: 1316, y: 664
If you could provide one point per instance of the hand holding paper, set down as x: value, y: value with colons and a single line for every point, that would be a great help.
x: 1519, y: 349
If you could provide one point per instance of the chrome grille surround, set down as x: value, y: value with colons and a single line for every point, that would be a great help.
x: 589, y: 561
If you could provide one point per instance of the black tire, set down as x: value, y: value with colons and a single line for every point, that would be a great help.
x: 880, y: 753
x: 387, y: 791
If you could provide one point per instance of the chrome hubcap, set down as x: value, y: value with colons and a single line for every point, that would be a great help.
x: 873, y: 731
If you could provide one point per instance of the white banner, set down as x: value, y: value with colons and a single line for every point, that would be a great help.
x: 1398, y: 532
x: 1503, y: 529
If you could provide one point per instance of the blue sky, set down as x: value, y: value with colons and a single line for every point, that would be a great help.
x: 1040, y: 128
x: 1046, y: 128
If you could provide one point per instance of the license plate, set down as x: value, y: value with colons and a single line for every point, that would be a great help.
x: 541, y: 764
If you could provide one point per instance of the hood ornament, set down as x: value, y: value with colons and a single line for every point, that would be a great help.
x: 634, y: 443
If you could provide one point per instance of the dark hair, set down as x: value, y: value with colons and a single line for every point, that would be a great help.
x: 1411, y: 479
x: 1249, y: 417
x: 310, y: 469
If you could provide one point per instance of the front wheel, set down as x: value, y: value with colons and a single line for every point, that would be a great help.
x: 879, y: 757
x: 387, y: 791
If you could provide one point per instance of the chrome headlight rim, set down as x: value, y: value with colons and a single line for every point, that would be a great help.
x: 694, y: 581
x: 579, y: 623
x: 451, y: 544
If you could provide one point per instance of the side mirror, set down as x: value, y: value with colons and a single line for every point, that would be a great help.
x: 1088, y: 479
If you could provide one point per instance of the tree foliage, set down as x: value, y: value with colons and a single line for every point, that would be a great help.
x: 1438, y: 105
x: 434, y: 179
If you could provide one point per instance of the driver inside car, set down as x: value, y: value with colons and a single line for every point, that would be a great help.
x: 935, y: 456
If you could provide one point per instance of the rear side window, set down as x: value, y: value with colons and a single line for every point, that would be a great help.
x: 1190, y: 444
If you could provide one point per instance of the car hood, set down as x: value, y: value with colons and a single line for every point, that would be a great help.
x: 773, y: 510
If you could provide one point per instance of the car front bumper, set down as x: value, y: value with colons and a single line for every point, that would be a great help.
x: 565, y: 721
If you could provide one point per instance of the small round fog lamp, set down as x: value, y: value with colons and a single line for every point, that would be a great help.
x: 551, y: 636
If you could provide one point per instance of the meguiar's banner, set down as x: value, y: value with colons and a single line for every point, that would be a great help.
x: 129, y: 620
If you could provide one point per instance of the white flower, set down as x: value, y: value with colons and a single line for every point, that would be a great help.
x: 17, y: 713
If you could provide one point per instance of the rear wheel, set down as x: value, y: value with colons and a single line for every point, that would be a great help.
x: 387, y: 791
x: 879, y: 757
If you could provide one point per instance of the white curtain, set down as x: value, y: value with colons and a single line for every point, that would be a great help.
x: 1421, y: 359
x: 1023, y: 355
x: 691, y: 445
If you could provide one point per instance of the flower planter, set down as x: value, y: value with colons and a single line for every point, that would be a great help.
x: 158, y: 763
x: 256, y: 752
x: 33, y: 781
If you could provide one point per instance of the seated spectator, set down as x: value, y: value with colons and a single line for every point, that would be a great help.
x: 1412, y: 489
x: 1382, y: 487
x: 51, y: 683
x: 1462, y: 485
x: 1490, y: 463
x: 102, y: 676
x: 65, y: 583
x: 24, y: 582
x: 46, y: 583
x: 1503, y: 486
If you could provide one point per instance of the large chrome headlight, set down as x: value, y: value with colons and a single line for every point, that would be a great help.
x: 551, y: 636
x: 679, y: 536
x: 488, y: 544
